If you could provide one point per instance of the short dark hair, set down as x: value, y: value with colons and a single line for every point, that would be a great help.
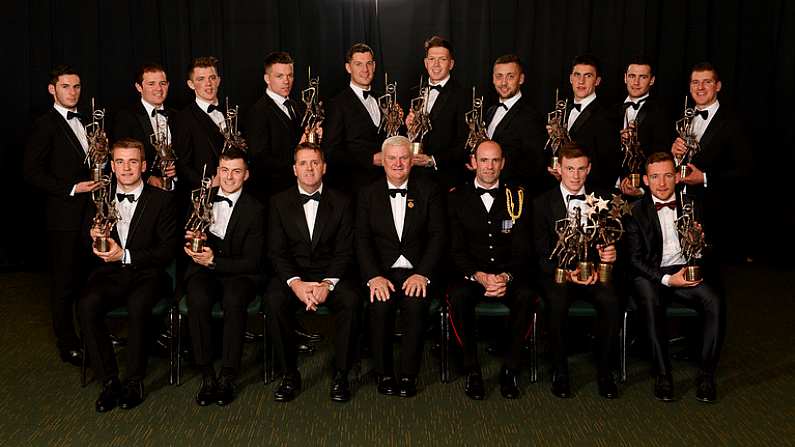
x: 358, y: 48
x: 277, y: 57
x: 436, y: 42
x: 573, y: 150
x: 202, y: 62
x: 306, y: 146
x: 61, y: 70
x: 587, y: 59
x: 129, y: 143
x: 659, y: 157
x: 705, y: 66
x: 234, y: 153
x: 149, y: 67
x: 510, y: 59
x: 640, y: 60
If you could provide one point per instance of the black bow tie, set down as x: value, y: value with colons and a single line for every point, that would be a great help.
x: 120, y: 197
x: 437, y: 87
x: 502, y: 105
x: 70, y: 115
x: 160, y: 111
x: 212, y: 108
x: 571, y: 197
x: 395, y: 191
x: 576, y: 106
x: 661, y: 205
x: 366, y: 93
x: 634, y: 105
x: 481, y: 191
x: 217, y: 199
x: 703, y: 114
x: 307, y: 197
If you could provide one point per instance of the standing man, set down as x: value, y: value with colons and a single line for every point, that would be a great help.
x: 491, y: 250
x: 516, y: 127
x: 54, y: 162
x: 131, y: 274
x: 447, y: 103
x: 149, y: 115
x: 274, y: 129
x: 399, y: 242
x: 311, y: 247
x: 351, y: 131
x: 228, y: 269
x: 657, y: 270
x: 548, y: 209
x: 198, y: 140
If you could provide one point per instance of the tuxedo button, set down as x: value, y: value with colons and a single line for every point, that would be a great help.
x: 489, y: 222
x: 492, y: 259
x: 490, y: 235
x: 491, y: 247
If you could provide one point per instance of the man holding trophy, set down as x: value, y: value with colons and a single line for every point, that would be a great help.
x: 658, y: 268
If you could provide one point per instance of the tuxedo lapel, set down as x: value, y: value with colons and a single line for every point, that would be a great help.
x: 70, y: 134
x: 321, y: 218
x: 140, y: 208
x: 143, y: 119
x: 381, y: 201
x: 276, y: 110
x: 234, y: 218
x: 583, y: 117
x: 653, y: 220
x: 506, y: 120
x: 409, y: 215
x: 298, y: 216
x: 441, y: 99
x: 211, y: 129
x: 557, y: 205
x: 711, y: 130
x: 642, y: 113
x: 358, y: 107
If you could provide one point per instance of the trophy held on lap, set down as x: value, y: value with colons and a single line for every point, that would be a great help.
x: 633, y: 155
x: 691, y: 240
x: 572, y: 247
x: 201, y: 214
x: 314, y: 114
x: 106, y: 217
x: 164, y: 153
x: 557, y: 123
x: 684, y: 128
x: 97, y: 154
x: 391, y: 113
x: 421, y: 124
x: 609, y: 228
x: 476, y: 124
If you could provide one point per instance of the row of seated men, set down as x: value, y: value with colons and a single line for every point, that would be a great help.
x: 54, y: 158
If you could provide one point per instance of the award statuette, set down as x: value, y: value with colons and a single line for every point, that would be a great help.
x: 691, y: 240
x: 557, y: 120
x: 684, y: 128
x: 391, y: 113
x: 106, y: 216
x: 97, y: 153
x: 314, y: 114
x: 202, y: 213
x: 607, y: 217
x: 164, y: 153
x: 477, y: 127
x: 232, y: 136
x: 572, y: 247
x: 421, y: 124
x: 633, y: 155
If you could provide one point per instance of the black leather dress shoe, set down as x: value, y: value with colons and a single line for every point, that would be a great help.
x: 561, y: 387
x: 289, y: 387
x: 387, y: 385
x: 340, y: 387
x: 304, y: 348
x: 509, y: 384
x: 474, y: 387
x: 72, y: 357
x: 133, y: 394
x: 305, y: 333
x: 408, y: 386
x: 706, y: 391
x: 664, y: 388
x: 109, y: 397
x: 207, y: 391
x: 607, y: 387
x: 226, y: 390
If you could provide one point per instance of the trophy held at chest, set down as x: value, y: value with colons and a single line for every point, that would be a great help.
x: 164, y: 153
x: 106, y: 216
x: 421, y: 124
x: 475, y: 123
x: 557, y: 123
x: 691, y: 241
x: 391, y: 113
x: 97, y: 154
x: 684, y: 128
x: 201, y: 213
x: 572, y: 246
x: 232, y: 136
x: 633, y: 155
x: 314, y: 114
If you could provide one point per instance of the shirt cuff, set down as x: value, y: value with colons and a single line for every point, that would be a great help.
x: 705, y: 179
x: 333, y: 281
x: 72, y: 192
x: 666, y: 280
x: 290, y: 281
x: 126, y: 258
x: 433, y: 163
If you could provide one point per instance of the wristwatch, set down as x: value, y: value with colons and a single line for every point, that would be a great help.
x: 330, y: 285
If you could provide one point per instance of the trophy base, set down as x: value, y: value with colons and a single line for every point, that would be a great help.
x: 586, y: 270
x: 554, y: 163
x: 102, y: 245
x: 96, y: 174
x: 683, y: 170
x: 416, y: 148
x: 313, y: 138
x: 561, y: 275
x: 693, y: 273
x: 634, y: 180
x: 197, y: 245
x: 605, y: 272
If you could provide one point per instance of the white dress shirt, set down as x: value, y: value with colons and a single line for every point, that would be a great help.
x: 629, y: 112
x: 700, y: 124
x: 433, y: 94
x: 159, y: 122
x: 126, y: 211
x: 671, y: 250
x: 500, y: 113
x: 222, y: 211
x: 217, y: 116
x: 279, y: 100
x: 574, y: 203
x: 398, y: 205
x: 487, y: 198
x: 585, y: 102
x: 310, y: 212
x: 371, y: 104
x: 75, y: 124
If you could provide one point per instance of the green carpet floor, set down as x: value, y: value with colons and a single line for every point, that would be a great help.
x: 42, y: 403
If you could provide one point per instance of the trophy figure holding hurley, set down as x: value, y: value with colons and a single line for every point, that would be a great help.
x: 107, y: 215
x: 202, y: 212
x: 421, y: 119
x: 314, y: 114
x: 391, y: 113
x: 164, y: 153
x: 97, y: 154
x: 557, y: 128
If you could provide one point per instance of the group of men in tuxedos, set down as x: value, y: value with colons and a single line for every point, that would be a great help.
x: 362, y: 215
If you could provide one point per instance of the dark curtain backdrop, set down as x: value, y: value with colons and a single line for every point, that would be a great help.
x: 751, y: 42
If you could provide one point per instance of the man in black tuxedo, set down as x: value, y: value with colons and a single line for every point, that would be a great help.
x: 311, y: 248
x: 399, y: 242
x: 549, y: 208
x: 351, y: 136
x: 132, y: 274
x: 517, y: 127
x: 228, y: 269
x: 657, y: 274
x: 491, y: 250
x: 592, y: 126
x: 653, y: 126
x: 719, y: 173
x: 140, y: 120
x: 197, y: 138
x: 274, y: 129
x: 54, y: 162
x: 443, y: 146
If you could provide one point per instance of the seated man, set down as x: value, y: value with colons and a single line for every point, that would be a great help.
x: 657, y: 274
x: 399, y: 243
x: 132, y: 274
x: 549, y: 208
x: 310, y: 243
x: 228, y: 269
x: 491, y: 252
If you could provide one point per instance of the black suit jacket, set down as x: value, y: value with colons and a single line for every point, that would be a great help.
x: 241, y: 250
x: 54, y: 161
x: 329, y: 253
x: 656, y: 130
x: 349, y: 141
x: 521, y: 135
x: 597, y: 131
x: 272, y: 137
x: 488, y: 241
x: 423, y: 240
x: 643, y: 240
x: 134, y: 122
x: 197, y: 141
